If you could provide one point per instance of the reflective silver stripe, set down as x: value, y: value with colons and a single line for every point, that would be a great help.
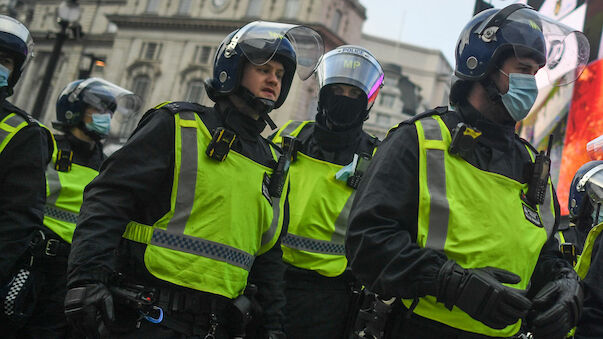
x: 290, y: 128
x: 341, y: 223
x: 59, y: 214
x: 439, y: 209
x: 185, y: 196
x: 546, y: 214
x: 13, y: 121
x: 313, y: 245
x: 54, y: 184
x: 276, y: 212
x: 202, y: 247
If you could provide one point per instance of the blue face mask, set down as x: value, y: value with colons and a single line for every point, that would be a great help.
x: 101, y: 123
x: 521, y: 95
x: 4, y: 75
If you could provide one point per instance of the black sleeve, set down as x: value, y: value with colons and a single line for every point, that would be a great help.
x: 591, y: 323
x: 268, y: 274
x: 129, y: 180
x: 22, y: 193
x: 381, y: 239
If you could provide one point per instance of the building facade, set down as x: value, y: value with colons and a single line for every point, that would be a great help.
x: 163, y: 50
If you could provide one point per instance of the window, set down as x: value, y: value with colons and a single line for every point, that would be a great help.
x: 202, y: 54
x: 150, y: 50
x: 336, y: 21
x: 194, y: 91
x: 291, y: 9
x: 152, y: 6
x: 255, y: 8
x: 140, y: 85
x: 387, y: 100
x: 184, y: 7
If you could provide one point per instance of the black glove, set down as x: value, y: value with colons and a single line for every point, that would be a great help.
x: 480, y: 293
x: 557, y: 307
x: 275, y: 334
x: 89, y: 309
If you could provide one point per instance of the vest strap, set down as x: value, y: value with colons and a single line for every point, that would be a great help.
x: 9, y: 126
x: 313, y: 245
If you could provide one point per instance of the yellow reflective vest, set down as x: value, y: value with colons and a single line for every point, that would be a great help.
x: 476, y: 218
x: 220, y: 218
x: 318, y: 214
x: 64, y: 195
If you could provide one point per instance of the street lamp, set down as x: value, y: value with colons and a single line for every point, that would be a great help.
x: 68, y: 14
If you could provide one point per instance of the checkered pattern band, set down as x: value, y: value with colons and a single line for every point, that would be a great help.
x: 60, y: 214
x: 15, y: 288
x: 313, y: 245
x: 204, y: 248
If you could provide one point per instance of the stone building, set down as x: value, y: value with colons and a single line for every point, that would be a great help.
x: 163, y: 50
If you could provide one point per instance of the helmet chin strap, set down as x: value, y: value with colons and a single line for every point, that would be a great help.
x: 260, y: 105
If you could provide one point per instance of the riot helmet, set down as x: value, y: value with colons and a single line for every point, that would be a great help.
x: 517, y: 30
x: 586, y: 193
x: 15, y: 40
x: 354, y: 66
x: 103, y: 96
x: 297, y: 48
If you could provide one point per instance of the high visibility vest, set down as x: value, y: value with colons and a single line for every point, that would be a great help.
x: 9, y: 126
x: 318, y: 213
x: 583, y: 264
x: 220, y: 217
x: 64, y: 195
x: 476, y: 218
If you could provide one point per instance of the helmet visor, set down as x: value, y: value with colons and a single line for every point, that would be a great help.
x: 260, y: 40
x: 12, y: 26
x: 562, y: 50
x: 593, y: 184
x: 107, y: 97
x: 352, y: 66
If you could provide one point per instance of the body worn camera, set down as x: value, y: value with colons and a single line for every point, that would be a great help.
x: 363, y: 162
x: 277, y: 179
x: 464, y: 139
x: 220, y: 144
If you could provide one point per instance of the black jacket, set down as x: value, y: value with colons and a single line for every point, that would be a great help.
x: 135, y: 183
x: 22, y: 188
x: 381, y: 241
x: 591, y: 323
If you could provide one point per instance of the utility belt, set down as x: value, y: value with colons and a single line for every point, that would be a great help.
x: 189, y: 313
x: 46, y: 246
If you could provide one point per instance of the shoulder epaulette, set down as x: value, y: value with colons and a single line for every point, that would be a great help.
x: 436, y: 111
x: 180, y: 106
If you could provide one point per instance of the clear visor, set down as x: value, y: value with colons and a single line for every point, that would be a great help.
x: 567, y: 50
x: 107, y: 97
x: 16, y: 28
x: 594, y: 185
x: 594, y: 148
x: 351, y: 66
x: 260, y: 40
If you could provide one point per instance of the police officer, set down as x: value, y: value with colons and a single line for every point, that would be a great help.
x: 585, y: 199
x: 331, y: 155
x: 25, y: 149
x: 83, y: 115
x: 445, y: 219
x: 191, y: 209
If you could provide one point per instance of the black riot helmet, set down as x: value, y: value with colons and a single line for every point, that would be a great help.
x: 517, y: 30
x: 354, y: 66
x: 297, y: 48
x: 15, y: 40
x: 586, y: 193
x: 102, y: 95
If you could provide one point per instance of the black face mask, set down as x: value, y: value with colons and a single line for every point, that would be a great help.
x: 343, y: 111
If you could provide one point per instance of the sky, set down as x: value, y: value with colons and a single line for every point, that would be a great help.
x: 427, y: 23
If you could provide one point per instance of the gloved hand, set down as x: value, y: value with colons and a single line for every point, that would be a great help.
x: 557, y: 307
x: 89, y: 309
x: 275, y: 334
x: 480, y: 293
